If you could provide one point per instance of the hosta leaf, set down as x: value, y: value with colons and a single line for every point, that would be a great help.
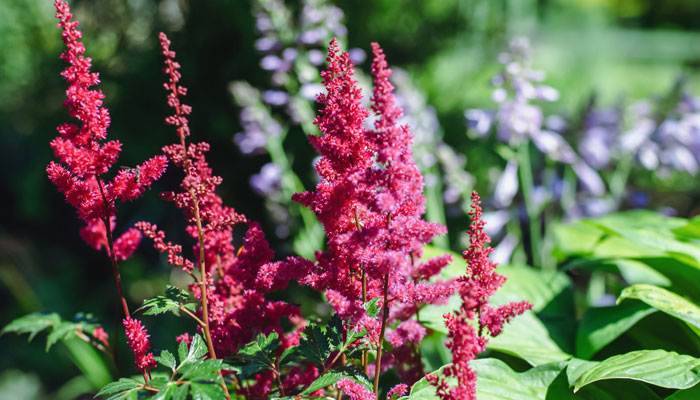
x: 497, y: 381
x: 664, y: 300
x: 691, y: 230
x: 600, y: 326
x: 526, y: 337
x: 692, y: 393
x: 657, y: 367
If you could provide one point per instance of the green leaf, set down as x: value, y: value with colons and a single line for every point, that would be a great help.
x: 575, y: 239
x: 600, y: 326
x: 656, y: 367
x: 204, y: 370
x: 691, y: 230
x: 32, y: 324
x: 196, y: 351
x: 316, y: 344
x: 181, y: 392
x: 172, y: 301
x: 289, y: 354
x: 372, y: 308
x: 692, y: 393
x: 120, y: 389
x: 664, y: 300
x: 167, y: 358
x: 62, y: 331
x: 206, y: 391
x: 258, y: 355
x: 497, y: 381
x: 526, y: 337
x: 635, y: 272
x: 322, y: 381
x: 166, y: 392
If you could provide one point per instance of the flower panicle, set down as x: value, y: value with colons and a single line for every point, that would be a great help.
x: 137, y: 338
x: 465, y: 341
x: 84, y: 155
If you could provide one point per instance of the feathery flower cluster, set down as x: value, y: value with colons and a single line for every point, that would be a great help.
x: 370, y: 202
x: 84, y: 157
x: 355, y: 390
x: 475, y: 288
x: 236, y: 279
x: 137, y: 337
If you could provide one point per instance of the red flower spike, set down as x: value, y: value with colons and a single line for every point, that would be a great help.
x: 481, y: 282
x: 137, y: 338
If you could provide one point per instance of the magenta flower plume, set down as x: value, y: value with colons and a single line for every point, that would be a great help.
x: 355, y: 390
x: 370, y: 203
x: 475, y: 288
x: 234, y: 283
x: 137, y: 337
x: 82, y: 152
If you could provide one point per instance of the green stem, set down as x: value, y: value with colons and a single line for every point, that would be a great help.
x: 618, y: 181
x: 527, y: 185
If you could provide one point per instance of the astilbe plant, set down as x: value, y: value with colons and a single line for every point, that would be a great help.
x: 370, y: 202
x: 466, y: 342
x: 85, y: 156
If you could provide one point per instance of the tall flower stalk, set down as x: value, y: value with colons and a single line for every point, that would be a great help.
x: 465, y: 341
x: 85, y: 157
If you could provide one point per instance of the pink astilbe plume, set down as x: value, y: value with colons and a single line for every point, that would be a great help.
x: 137, y: 337
x: 370, y: 202
x: 235, y: 281
x: 466, y: 342
x: 83, y: 154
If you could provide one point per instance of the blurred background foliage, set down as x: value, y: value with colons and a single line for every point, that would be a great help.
x: 621, y: 49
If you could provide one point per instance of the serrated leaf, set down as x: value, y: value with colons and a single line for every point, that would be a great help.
x: 289, y: 354
x: 172, y: 301
x: 372, y: 308
x: 32, y: 324
x: 167, y: 358
x: 204, y: 370
x: 166, y: 392
x: 600, y: 326
x: 316, y: 344
x: 206, y: 391
x: 335, y: 331
x: 258, y: 355
x: 322, y: 381
x: 182, y: 350
x: 664, y: 300
x: 120, y: 389
x: 657, y: 367
x: 181, y: 392
x: 196, y: 351
x: 62, y: 331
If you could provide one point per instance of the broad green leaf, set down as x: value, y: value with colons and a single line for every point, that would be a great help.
x: 497, y: 381
x: 656, y: 367
x: 575, y: 239
x: 166, y: 392
x: 89, y: 361
x: 692, y: 393
x: 600, y: 326
x: 196, y: 351
x: 559, y: 389
x: 691, y: 230
x: 167, y: 358
x: 636, y: 219
x: 32, y: 324
x: 120, y: 389
x: 664, y: 300
x: 635, y: 272
x: 526, y: 337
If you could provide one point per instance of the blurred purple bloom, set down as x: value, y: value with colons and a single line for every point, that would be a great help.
x: 275, y: 97
x: 267, y: 181
x: 590, y: 180
x: 507, y: 185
